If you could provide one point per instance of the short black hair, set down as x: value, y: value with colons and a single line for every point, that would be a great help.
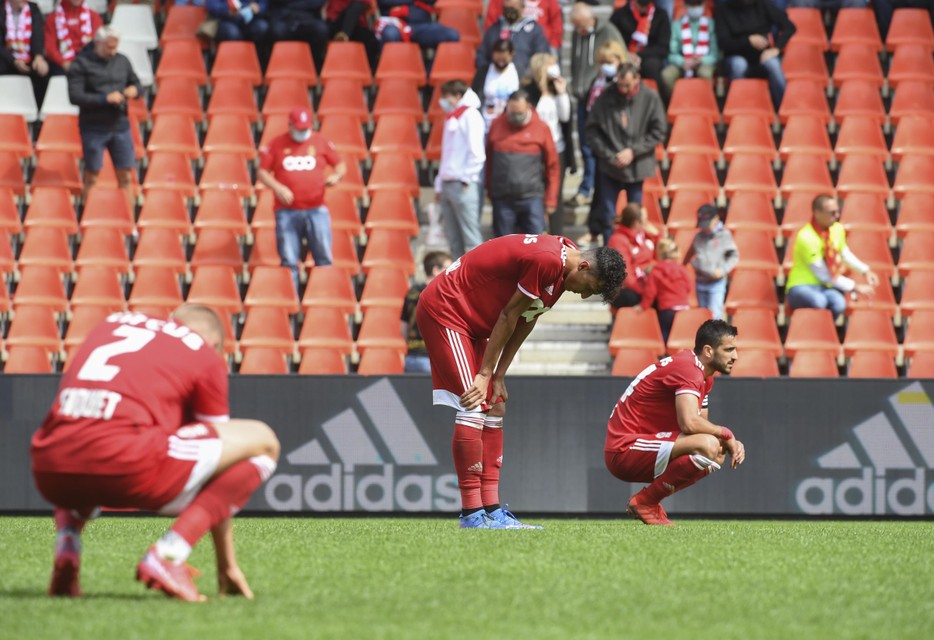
x: 712, y: 333
x: 519, y: 95
x: 609, y: 267
x: 434, y: 259
x: 504, y: 44
x: 818, y: 203
x: 454, y: 87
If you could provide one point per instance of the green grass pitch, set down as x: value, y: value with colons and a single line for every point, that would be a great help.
x: 425, y: 578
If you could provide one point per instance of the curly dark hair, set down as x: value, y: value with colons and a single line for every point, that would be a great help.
x: 609, y: 267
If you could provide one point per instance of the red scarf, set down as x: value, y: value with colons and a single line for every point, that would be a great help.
x: 640, y: 37
x: 63, y: 33
x: 689, y: 48
x: 19, y: 32
x: 456, y: 113
x: 831, y: 256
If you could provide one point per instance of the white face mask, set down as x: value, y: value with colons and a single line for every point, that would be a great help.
x: 609, y: 70
x: 446, y: 105
x: 300, y: 136
x: 695, y: 12
x: 554, y: 71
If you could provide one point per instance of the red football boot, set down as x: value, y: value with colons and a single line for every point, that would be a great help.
x: 65, y: 571
x: 648, y: 513
x: 175, y: 580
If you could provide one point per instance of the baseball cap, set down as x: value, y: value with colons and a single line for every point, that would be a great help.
x: 705, y: 214
x: 300, y: 118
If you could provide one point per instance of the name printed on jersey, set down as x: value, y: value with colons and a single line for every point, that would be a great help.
x: 188, y: 337
x: 88, y: 403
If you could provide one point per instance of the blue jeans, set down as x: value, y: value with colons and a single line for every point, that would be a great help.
x: 427, y: 35
x: 294, y: 224
x: 234, y: 28
x: 518, y: 216
x: 417, y: 364
x: 609, y: 193
x: 738, y: 67
x: 118, y: 141
x: 711, y: 295
x: 590, y: 163
x: 460, y: 213
x: 816, y: 296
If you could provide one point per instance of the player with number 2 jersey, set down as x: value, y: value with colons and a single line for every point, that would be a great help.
x: 474, y: 317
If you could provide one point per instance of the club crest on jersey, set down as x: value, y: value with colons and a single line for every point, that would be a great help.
x: 536, y: 309
x: 299, y: 163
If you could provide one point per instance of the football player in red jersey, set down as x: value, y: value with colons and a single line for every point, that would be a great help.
x: 473, y: 318
x: 659, y: 432
x: 140, y: 421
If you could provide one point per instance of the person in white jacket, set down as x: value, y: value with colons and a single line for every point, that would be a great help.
x: 457, y: 185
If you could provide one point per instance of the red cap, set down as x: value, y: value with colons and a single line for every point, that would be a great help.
x: 300, y: 118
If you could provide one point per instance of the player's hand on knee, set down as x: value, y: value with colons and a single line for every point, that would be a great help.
x: 232, y: 582
x: 499, y: 390
x: 476, y: 393
x: 737, y: 452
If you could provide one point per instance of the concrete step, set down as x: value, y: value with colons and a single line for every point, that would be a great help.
x: 576, y: 314
x: 573, y: 352
x: 570, y: 333
x: 558, y: 369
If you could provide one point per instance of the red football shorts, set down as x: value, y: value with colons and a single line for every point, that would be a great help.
x: 181, y: 464
x: 455, y: 360
x: 642, y: 458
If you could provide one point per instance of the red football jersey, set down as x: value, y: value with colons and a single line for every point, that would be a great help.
x: 299, y: 166
x: 132, y: 374
x: 648, y: 405
x: 469, y: 296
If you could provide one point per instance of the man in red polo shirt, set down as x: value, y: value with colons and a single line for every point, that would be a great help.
x: 293, y: 166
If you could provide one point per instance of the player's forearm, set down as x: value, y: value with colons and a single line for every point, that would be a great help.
x: 499, y: 338
x: 698, y: 424
x: 222, y: 535
x: 521, y: 332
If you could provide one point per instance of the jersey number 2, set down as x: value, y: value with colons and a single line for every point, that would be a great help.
x: 96, y: 369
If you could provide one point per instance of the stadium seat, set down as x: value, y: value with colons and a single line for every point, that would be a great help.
x: 14, y: 135
x: 863, y: 174
x: 682, y: 214
x: 182, y: 59
x: 882, y: 299
x: 913, y: 136
x: 797, y: 211
x: 7, y: 261
x: 751, y: 289
x: 433, y: 144
x: 915, y: 213
x: 870, y: 330
x: 346, y: 134
x: 751, y: 211
x: 859, y: 99
x: 453, y: 61
x: 175, y: 133
x: 695, y: 97
x: 755, y: 363
x: 41, y: 286
x: 160, y: 247
x: 866, y: 212
x: 391, y: 209
x: 401, y: 61
x: 804, y: 98
x: 343, y: 97
x: 271, y: 287
x: 345, y: 214
x: 813, y: 330
x: 749, y: 135
x: 861, y: 135
x: 108, y: 177
x: 809, y: 27
x: 264, y: 216
x: 381, y: 361
x: 136, y: 24
x: 918, y: 337
x: 108, y: 208
x: 268, y: 327
x: 20, y: 98
x: 748, y: 97
x: 910, y: 26
x: 757, y: 252
x: 922, y: 365
x: 265, y: 251
x: 684, y: 328
x: 9, y: 214
x: 911, y: 63
x: 47, y: 247
x: 872, y: 248
x: 814, y: 364
x: 801, y: 61
x: 872, y: 364
x: 917, y: 253
x: 344, y: 252
x: 51, y: 207
x: 60, y: 133
x: 235, y: 97
x: 216, y: 287
x: 35, y: 327
x: 179, y: 96
x: 914, y: 175
x: 805, y: 135
x: 389, y: 248
x: 98, y: 287
x: 855, y: 26
x: 352, y: 182
x: 237, y: 60
x: 226, y: 172
x: 155, y: 287
x: 291, y: 61
x: 57, y: 169
x: 217, y: 247
x: 165, y: 209
x: 380, y: 329
x: 28, y: 359
x: 694, y: 135
x: 857, y: 63
x: 464, y: 20
x: 346, y: 61
x: 633, y: 330
x: 806, y: 172
x: 322, y: 362
x: 56, y: 100
x: 394, y: 172
x: 758, y: 331
x: 284, y: 95
x: 330, y: 287
x: 172, y: 171
x: 327, y: 328
x: 396, y: 134
x: 11, y: 173
x: 221, y: 209
x: 631, y: 362
x: 273, y: 126
x: 103, y: 247
x: 230, y: 133
x: 750, y: 173
x: 384, y: 287
x: 694, y: 173
x: 263, y: 361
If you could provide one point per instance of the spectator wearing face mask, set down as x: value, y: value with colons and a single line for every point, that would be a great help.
x: 647, y: 32
x: 545, y: 12
x: 693, y: 49
x: 293, y: 167
x: 526, y: 35
x: 522, y: 169
x: 497, y: 81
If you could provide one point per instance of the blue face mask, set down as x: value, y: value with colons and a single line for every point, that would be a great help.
x: 609, y: 70
x: 446, y: 105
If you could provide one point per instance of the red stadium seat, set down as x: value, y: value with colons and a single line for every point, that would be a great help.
x: 855, y: 26
x: 632, y: 330
x: 631, y: 362
x: 284, y: 95
x: 234, y: 97
x: 327, y: 328
x: 217, y: 247
x: 387, y: 248
x: 156, y: 287
x: 464, y: 20
x: 41, y: 287
x: 271, y: 287
x: 872, y: 248
x: 264, y: 251
x: 391, y: 210
x: 384, y: 287
x: 694, y: 173
x: 755, y: 363
x: 693, y: 134
x: 749, y: 135
x: 9, y: 214
x: 811, y: 330
x: 11, y: 173
x: 380, y: 361
x: 322, y: 361
x: 917, y: 253
x: 863, y: 174
x: 914, y: 175
x: 912, y: 99
x: 684, y: 328
x: 60, y: 133
x: 160, y: 247
x: 345, y: 214
x: 866, y: 212
x: 57, y: 169
x: 221, y: 210
x: 237, y: 60
x: 346, y: 134
x: 910, y: 26
x: 343, y: 97
x: 919, y: 336
x: 805, y: 135
x: 216, y: 287
x: 757, y: 252
x: 380, y: 329
x: 872, y: 364
x: 401, y: 61
x: 268, y: 327
x: 98, y: 287
x: 346, y: 61
x: 758, y: 331
x: 882, y: 299
x: 861, y: 99
x: 693, y: 96
x: 804, y: 98
x: 453, y: 61
x: 798, y: 211
x: 913, y: 136
x: 915, y: 213
x: 751, y: 211
x: 28, y: 359
x: 870, y: 330
x: 165, y: 209
x: 396, y: 134
x: 178, y: 96
x: 47, y: 247
x: 230, y: 133
x: 107, y: 208
x: 292, y: 61
x: 806, y: 173
x: 922, y: 365
x: 814, y: 364
x: 35, y: 327
x: 861, y: 136
x: 103, y: 247
x: 264, y: 361
x: 801, y: 61
x: 751, y: 289
x: 175, y: 133
x: 182, y: 23
x: 394, y: 172
x: 750, y: 173
x: 14, y: 135
x: 911, y: 63
x: 748, y: 97
x: 330, y: 287
x: 809, y: 27
x: 51, y: 207
x: 858, y: 62
x: 170, y: 171
x: 182, y: 59
x: 227, y: 171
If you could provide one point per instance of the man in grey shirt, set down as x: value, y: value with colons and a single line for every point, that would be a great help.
x: 714, y: 255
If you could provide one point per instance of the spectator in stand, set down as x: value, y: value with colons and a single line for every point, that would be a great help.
x: 300, y: 21
x: 668, y: 285
x: 588, y: 39
x: 293, y: 166
x: 68, y: 30
x: 693, y: 49
x: 548, y: 94
x: 242, y: 21
x: 457, y: 185
x: 23, y: 50
x: 413, y: 21
x: 635, y: 239
x: 816, y: 279
x: 714, y: 255
x: 647, y: 32
x: 527, y: 36
x: 745, y: 35
x: 545, y: 12
x: 351, y: 20
x: 416, y: 359
x: 625, y: 125
x: 497, y: 81
x: 100, y: 82
x: 521, y: 170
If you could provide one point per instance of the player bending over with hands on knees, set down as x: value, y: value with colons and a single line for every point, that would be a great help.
x: 141, y: 422
x: 659, y: 432
x: 474, y: 317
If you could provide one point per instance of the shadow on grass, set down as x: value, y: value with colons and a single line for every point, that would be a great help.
x: 27, y: 594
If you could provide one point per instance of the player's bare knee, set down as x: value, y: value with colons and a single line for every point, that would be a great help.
x: 709, y: 446
x: 268, y: 440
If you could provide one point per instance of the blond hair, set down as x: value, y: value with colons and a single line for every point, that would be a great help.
x: 538, y: 71
x: 613, y: 49
x: 667, y: 249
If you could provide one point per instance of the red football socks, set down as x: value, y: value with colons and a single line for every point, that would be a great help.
x: 467, y: 448
x: 66, y: 519
x: 492, y: 460
x: 680, y: 474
